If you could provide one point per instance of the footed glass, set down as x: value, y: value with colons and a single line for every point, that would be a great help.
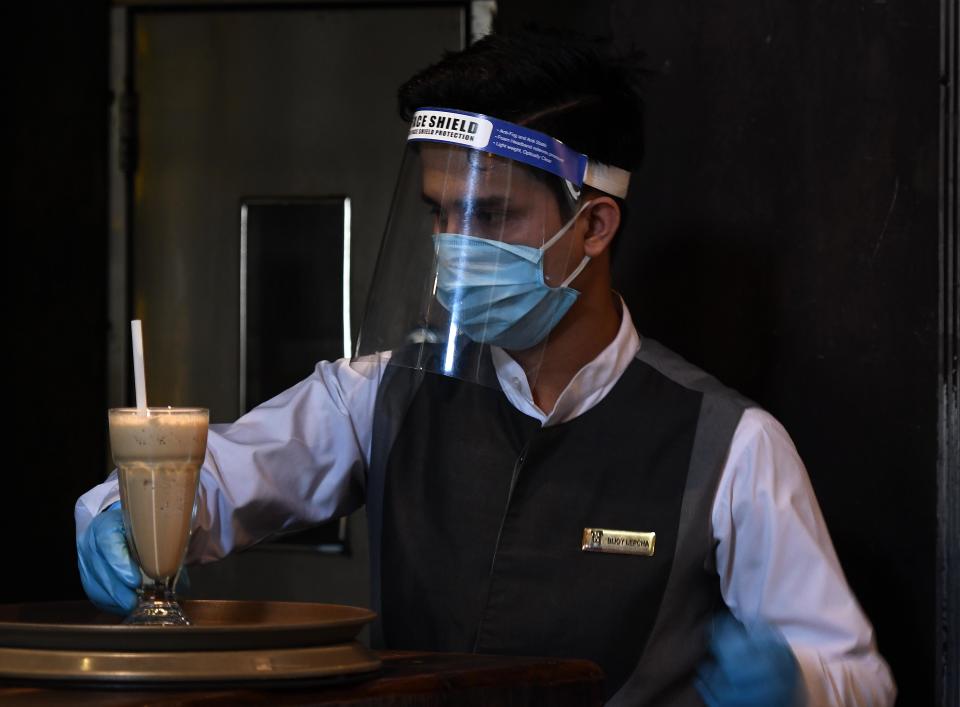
x: 158, y: 453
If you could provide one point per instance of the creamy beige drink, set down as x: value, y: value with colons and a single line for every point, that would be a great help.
x: 158, y: 456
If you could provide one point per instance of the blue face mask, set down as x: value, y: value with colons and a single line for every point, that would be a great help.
x: 495, y: 292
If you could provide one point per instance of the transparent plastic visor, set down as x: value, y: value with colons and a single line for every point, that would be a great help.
x: 479, y: 251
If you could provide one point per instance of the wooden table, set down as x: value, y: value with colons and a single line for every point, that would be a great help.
x: 408, y: 679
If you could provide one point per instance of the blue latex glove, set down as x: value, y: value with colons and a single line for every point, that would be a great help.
x: 109, y: 575
x: 749, y: 666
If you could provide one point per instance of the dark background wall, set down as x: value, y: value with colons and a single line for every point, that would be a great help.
x: 783, y: 234
x: 55, y: 264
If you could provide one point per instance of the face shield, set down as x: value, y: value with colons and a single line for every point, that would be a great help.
x: 479, y: 249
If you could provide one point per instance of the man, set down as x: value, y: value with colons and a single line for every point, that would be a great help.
x: 539, y: 479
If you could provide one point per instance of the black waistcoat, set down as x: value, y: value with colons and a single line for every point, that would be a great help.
x: 477, y: 516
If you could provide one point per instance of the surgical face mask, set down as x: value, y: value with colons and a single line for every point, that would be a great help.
x: 495, y: 292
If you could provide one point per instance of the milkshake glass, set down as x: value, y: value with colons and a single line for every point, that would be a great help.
x: 158, y: 453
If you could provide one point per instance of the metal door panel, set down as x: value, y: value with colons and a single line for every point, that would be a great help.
x: 256, y: 103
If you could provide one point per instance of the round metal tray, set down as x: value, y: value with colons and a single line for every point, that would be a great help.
x: 217, y: 626
x: 160, y: 669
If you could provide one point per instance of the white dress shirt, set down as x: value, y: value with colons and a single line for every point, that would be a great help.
x: 300, y: 459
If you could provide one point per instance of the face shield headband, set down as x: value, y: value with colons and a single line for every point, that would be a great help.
x: 518, y: 143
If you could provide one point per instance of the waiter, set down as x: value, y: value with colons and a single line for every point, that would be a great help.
x: 539, y: 479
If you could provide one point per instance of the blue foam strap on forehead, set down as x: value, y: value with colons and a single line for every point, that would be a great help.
x: 499, y: 137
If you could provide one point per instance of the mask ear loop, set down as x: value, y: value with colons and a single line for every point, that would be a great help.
x: 559, y: 234
x: 577, y: 271
x: 566, y: 227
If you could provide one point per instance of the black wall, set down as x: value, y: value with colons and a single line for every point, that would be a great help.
x: 55, y: 262
x: 783, y: 235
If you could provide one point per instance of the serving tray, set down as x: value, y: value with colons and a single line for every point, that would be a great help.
x: 229, y: 642
x: 217, y: 625
x: 187, y: 667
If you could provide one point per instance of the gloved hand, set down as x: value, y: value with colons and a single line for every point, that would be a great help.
x: 749, y: 666
x: 108, y: 573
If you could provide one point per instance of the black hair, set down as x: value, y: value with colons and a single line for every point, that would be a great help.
x: 564, y: 86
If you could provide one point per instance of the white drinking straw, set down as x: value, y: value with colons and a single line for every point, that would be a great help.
x: 139, y: 379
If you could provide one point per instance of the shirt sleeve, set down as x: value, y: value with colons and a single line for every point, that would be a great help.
x: 296, y: 460
x: 776, y: 563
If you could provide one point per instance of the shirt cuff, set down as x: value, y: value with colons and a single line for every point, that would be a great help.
x: 95, y: 501
x: 860, y: 681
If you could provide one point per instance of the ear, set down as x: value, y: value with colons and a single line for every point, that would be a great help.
x: 603, y: 220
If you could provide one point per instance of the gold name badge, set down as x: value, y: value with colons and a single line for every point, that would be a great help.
x: 621, y: 542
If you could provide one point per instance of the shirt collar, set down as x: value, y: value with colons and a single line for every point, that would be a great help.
x: 588, y: 386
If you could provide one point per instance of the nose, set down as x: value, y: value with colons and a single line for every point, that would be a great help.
x: 446, y: 221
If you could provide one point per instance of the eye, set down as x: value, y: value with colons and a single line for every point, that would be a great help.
x: 490, y: 219
x: 491, y: 216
